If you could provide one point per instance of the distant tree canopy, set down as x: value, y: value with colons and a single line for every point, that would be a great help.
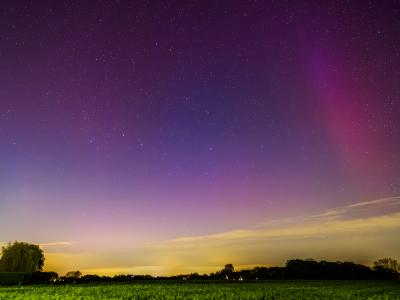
x: 227, y: 271
x: 21, y: 257
x: 387, y: 265
x: 73, y: 274
x: 311, y: 269
x: 228, y: 268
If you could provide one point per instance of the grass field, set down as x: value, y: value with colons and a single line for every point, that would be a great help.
x: 275, y: 290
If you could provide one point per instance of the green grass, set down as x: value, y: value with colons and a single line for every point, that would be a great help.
x: 275, y: 290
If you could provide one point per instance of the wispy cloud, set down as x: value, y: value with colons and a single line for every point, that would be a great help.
x: 314, y: 230
x: 56, y: 244
x: 47, y: 245
x: 384, y: 201
x: 376, y: 207
x: 353, y: 218
x: 367, y: 208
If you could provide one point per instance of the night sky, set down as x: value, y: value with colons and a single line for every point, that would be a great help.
x: 133, y: 131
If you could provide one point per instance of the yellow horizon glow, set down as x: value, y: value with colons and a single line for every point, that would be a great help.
x: 360, y: 232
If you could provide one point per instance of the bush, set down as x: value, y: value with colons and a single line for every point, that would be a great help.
x: 41, y: 278
x: 12, y: 278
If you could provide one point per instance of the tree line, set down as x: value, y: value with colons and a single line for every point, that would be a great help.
x: 22, y: 263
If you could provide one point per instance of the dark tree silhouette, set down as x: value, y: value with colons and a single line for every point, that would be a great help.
x: 228, y: 268
x: 387, y: 264
x: 311, y: 269
x: 21, y: 257
x: 74, y: 277
x: 73, y: 274
x: 227, y: 271
x: 42, y: 278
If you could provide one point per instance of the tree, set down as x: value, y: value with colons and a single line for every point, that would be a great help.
x: 387, y: 264
x: 227, y: 271
x: 73, y: 274
x: 228, y: 268
x: 21, y: 257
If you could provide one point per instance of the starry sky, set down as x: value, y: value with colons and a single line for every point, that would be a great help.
x: 172, y: 136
